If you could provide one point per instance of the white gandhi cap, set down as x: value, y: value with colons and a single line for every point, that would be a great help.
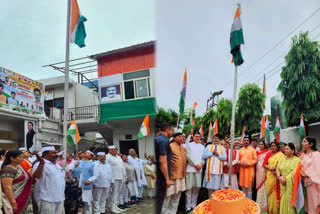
x: 23, y: 149
x: 101, y: 153
x: 111, y: 147
x: 48, y: 148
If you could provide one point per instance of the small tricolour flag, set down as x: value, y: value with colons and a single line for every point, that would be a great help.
x: 183, y: 94
x: 213, y: 130
x: 267, y: 131
x: 144, y: 130
x: 298, y: 191
x: 277, y: 132
x: 302, y: 130
x: 243, y: 134
x: 236, y: 39
x: 263, y: 127
x: 77, y: 29
x: 201, y: 130
x: 193, y: 113
x: 209, y: 133
x: 73, y: 136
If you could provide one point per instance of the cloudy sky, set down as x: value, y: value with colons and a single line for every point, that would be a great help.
x: 33, y: 34
x: 195, y: 34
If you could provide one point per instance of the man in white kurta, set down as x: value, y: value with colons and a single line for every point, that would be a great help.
x: 215, y: 155
x: 137, y: 164
x: 102, y: 181
x: 50, y: 182
x: 193, y: 172
x: 117, y: 173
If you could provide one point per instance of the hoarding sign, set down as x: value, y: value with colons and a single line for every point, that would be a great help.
x: 20, y: 93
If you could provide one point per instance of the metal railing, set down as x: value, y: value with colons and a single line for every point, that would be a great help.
x: 78, y: 113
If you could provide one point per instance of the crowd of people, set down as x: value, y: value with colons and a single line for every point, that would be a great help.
x: 266, y: 173
x: 89, y: 183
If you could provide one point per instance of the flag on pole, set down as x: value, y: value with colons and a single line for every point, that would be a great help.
x: 77, y: 29
x: 267, y: 131
x: 215, y: 127
x: 298, y: 191
x: 209, y: 133
x: 302, y: 130
x: 243, y: 134
x: 263, y: 127
x: 236, y: 39
x: 73, y: 136
x: 277, y: 132
x: 264, y: 89
x: 144, y: 130
x: 183, y: 93
x: 193, y: 113
x: 201, y: 131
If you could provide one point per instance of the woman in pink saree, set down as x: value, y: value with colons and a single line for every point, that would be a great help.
x: 262, y: 199
x: 310, y: 171
x: 16, y: 183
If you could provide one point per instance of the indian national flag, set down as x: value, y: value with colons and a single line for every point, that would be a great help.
x: 263, y: 127
x: 73, y: 134
x: 298, y: 191
x: 243, y: 134
x: 209, y: 133
x: 193, y: 113
x: 236, y: 39
x: 77, y: 29
x: 201, y: 130
x: 267, y: 131
x: 183, y: 93
x: 144, y: 130
x: 302, y: 130
x: 277, y: 132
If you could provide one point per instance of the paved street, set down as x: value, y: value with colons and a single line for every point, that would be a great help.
x: 145, y: 207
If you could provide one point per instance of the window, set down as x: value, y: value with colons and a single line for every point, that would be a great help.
x: 137, y: 84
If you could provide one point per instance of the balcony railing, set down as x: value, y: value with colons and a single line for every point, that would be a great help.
x: 78, y: 113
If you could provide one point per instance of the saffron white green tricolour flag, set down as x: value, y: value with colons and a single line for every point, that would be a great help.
x: 77, y: 29
x: 73, y: 136
x: 144, y: 130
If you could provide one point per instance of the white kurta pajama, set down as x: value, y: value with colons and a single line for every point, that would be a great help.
x: 118, y: 176
x: 225, y: 176
x: 102, y: 178
x: 216, y: 167
x: 137, y: 164
x: 49, y: 189
x: 194, y: 153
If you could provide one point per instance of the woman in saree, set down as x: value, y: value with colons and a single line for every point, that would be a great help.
x: 16, y: 183
x: 150, y: 173
x: 286, y: 170
x: 262, y: 199
x: 310, y: 169
x: 273, y: 186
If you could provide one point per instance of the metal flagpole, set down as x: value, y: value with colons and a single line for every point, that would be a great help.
x: 66, y: 85
x: 233, y: 122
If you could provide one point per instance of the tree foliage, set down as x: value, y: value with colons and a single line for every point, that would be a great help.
x: 249, y: 108
x: 300, y: 81
x: 224, y: 114
x: 169, y: 116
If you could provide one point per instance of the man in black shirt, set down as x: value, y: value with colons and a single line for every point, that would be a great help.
x: 163, y: 157
x: 30, y: 135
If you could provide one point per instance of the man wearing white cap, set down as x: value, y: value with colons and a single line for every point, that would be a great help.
x: 102, y: 180
x: 117, y: 172
x: 50, y: 183
x: 86, y: 179
x: 137, y: 164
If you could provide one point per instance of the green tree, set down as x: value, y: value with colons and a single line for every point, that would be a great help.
x: 223, y: 114
x: 249, y: 109
x: 169, y: 116
x: 300, y: 81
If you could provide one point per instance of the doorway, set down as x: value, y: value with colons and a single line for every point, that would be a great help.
x: 125, y: 145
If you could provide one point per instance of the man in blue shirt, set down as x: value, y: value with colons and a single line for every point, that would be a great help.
x: 163, y: 157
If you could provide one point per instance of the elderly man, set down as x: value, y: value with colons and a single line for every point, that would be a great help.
x: 102, y: 181
x: 247, y: 160
x: 118, y: 170
x: 163, y: 157
x: 130, y: 186
x: 194, y: 166
x: 50, y: 183
x: 215, y: 155
x: 177, y: 175
x: 136, y: 163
